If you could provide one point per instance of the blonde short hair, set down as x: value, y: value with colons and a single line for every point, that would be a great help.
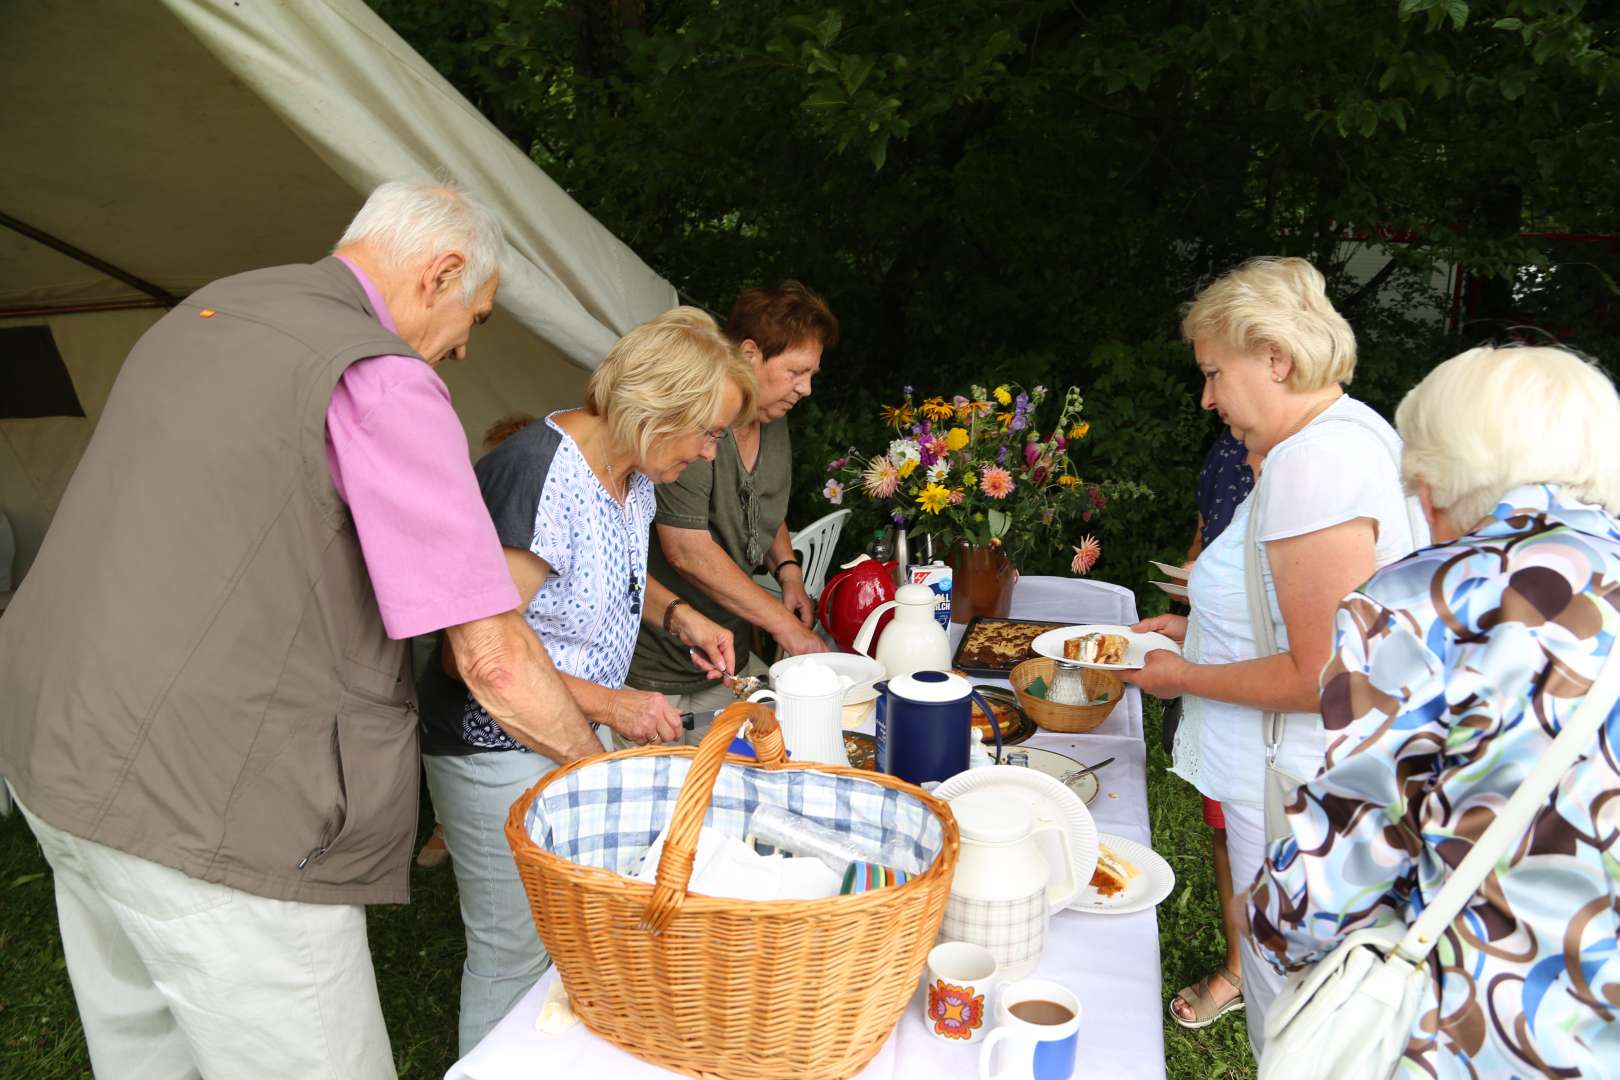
x: 1282, y: 302
x: 1491, y: 419
x: 664, y: 378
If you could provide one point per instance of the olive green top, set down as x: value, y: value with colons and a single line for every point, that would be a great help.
x: 742, y: 511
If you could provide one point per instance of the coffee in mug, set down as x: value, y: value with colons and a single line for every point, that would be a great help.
x: 1036, y: 1035
x: 1041, y: 1012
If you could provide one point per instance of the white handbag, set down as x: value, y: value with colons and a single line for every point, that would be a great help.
x: 1279, y: 783
x: 1350, y: 1015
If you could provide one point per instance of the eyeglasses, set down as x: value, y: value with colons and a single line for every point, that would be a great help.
x: 717, y: 436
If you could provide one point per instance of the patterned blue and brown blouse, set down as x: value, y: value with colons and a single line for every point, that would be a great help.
x: 1454, y: 670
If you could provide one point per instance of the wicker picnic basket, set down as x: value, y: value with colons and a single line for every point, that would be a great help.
x: 1071, y: 719
x: 714, y: 987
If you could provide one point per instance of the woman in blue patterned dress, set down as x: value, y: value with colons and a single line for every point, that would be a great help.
x: 572, y: 501
x: 1454, y: 670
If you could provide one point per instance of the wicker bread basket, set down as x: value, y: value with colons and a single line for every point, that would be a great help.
x: 716, y: 987
x: 1071, y: 719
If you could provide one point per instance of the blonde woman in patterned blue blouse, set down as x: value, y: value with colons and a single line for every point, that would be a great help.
x: 1454, y: 671
x: 571, y: 497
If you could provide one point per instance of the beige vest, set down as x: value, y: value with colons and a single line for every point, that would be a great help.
x: 194, y: 670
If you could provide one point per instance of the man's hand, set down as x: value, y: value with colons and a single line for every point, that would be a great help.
x: 511, y: 675
x: 643, y: 717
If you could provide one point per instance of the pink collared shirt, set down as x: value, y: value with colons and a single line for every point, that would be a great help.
x: 398, y: 457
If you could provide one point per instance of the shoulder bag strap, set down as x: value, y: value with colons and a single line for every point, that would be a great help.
x: 1515, y: 818
x: 1265, y: 633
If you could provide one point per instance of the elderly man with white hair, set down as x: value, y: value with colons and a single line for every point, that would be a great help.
x: 1452, y: 674
x: 210, y: 717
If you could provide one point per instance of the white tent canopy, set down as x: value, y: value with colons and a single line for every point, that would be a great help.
x: 185, y: 140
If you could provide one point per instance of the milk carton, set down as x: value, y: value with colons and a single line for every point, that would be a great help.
x: 937, y: 576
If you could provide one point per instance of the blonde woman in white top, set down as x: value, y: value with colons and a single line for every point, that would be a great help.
x: 1276, y: 357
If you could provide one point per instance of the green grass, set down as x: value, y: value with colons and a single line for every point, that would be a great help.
x: 418, y: 952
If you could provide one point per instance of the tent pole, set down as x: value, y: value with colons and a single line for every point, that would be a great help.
x: 42, y: 310
x: 167, y: 299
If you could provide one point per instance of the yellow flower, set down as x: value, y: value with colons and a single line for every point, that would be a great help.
x: 933, y: 498
x: 938, y: 409
x: 897, y: 416
x: 1067, y: 480
x: 1003, y: 395
x: 907, y: 467
x: 970, y: 479
x: 1080, y: 430
x: 955, y: 439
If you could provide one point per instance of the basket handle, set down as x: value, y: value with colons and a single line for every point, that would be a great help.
x: 680, y: 845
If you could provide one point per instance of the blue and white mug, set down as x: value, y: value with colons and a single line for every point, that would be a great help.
x: 1037, y: 1029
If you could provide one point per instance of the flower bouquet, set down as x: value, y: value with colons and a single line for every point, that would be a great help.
x: 980, y: 472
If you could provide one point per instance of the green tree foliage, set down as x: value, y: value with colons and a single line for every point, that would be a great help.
x: 1029, y: 189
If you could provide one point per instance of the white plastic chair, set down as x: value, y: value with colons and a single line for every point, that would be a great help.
x: 817, y: 541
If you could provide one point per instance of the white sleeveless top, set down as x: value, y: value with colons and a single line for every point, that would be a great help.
x: 1326, y: 474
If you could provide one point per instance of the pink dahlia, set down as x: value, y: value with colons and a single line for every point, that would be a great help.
x: 1086, y: 555
x: 996, y: 481
x: 881, y: 478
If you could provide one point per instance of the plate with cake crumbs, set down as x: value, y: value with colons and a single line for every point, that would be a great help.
x: 1113, y: 648
x: 991, y: 647
x: 1128, y: 877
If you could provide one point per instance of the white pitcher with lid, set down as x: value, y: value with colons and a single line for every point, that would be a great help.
x: 914, y: 641
x: 1007, y: 882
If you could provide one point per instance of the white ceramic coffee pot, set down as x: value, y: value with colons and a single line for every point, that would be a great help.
x: 914, y: 641
x: 1006, y: 884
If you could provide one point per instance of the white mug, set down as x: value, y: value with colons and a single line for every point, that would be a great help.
x: 812, y: 726
x: 961, y: 979
x: 1033, y: 1047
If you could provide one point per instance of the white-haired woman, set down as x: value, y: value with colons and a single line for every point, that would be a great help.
x: 572, y: 501
x: 1453, y: 672
x: 1327, y: 510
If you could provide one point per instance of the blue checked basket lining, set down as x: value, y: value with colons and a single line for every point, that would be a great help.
x: 607, y: 815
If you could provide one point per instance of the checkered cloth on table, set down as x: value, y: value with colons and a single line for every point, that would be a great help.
x: 608, y: 814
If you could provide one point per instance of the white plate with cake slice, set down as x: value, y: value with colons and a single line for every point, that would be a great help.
x: 1128, y: 877
x: 1114, y: 648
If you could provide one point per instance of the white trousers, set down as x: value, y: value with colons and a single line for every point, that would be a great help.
x: 176, y: 977
x: 471, y: 796
x: 1246, y: 847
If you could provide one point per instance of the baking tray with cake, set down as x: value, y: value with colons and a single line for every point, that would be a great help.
x: 991, y: 647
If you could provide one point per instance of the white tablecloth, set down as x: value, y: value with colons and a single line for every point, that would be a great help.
x: 1110, y: 961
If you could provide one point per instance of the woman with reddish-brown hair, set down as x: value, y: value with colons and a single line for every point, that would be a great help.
x: 723, y: 520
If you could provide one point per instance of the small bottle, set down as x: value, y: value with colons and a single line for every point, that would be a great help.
x: 881, y: 548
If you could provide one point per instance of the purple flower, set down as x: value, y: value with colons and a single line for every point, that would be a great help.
x: 925, y: 447
x: 898, y: 517
x: 1041, y: 390
x: 905, y: 389
x: 1021, y: 402
x: 1001, y: 455
x: 1019, y: 422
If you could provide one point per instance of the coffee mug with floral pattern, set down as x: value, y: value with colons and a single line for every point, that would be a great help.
x: 962, y: 978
